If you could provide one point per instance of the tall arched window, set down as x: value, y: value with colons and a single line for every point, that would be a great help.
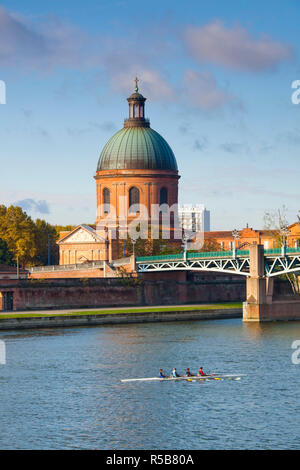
x: 106, y: 200
x: 134, y: 200
x: 163, y: 196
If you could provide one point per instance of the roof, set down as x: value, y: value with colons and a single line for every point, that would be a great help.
x: 244, y: 233
x: 136, y: 96
x: 85, y: 228
x: 137, y: 148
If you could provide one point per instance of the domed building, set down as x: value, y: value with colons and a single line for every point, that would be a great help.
x: 136, y: 170
x: 137, y: 167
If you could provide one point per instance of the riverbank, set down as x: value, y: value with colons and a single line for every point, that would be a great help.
x: 87, y: 317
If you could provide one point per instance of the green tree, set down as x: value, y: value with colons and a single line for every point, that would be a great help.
x: 45, y: 236
x: 149, y: 246
x: 210, y: 245
x: 63, y: 228
x: 17, y: 229
x: 6, y: 256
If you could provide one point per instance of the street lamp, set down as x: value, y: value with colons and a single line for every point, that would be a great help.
x: 284, y: 234
x: 185, y: 240
x: 18, y: 268
x: 49, y: 252
x: 133, y: 241
x: 236, y: 235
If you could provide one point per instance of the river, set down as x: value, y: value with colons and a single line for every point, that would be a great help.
x: 61, y: 389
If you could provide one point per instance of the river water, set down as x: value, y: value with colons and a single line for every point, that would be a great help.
x: 60, y: 388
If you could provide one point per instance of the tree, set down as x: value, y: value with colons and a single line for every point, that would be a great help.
x: 149, y: 246
x: 17, y: 229
x: 45, y: 238
x: 25, y: 240
x: 211, y: 245
x: 6, y: 256
x: 63, y: 228
x: 277, y: 224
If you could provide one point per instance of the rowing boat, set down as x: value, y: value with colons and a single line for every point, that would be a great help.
x: 194, y: 377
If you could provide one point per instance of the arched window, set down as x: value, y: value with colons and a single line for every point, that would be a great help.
x: 163, y: 196
x: 134, y: 200
x: 106, y: 200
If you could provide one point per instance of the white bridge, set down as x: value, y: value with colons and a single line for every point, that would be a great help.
x: 276, y: 262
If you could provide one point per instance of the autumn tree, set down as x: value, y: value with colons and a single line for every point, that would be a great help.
x: 6, y: 256
x: 211, y: 245
x: 148, y: 246
x: 17, y: 230
x: 45, y: 240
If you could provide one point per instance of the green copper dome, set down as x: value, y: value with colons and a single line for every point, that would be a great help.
x: 135, y: 148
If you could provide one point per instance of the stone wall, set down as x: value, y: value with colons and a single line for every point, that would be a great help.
x: 74, y: 293
x: 36, y: 294
x: 97, y: 272
x: 193, y: 287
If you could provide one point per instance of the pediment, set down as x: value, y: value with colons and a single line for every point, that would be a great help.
x: 82, y: 235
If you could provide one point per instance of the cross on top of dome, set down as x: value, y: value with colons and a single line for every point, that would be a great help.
x: 136, y: 85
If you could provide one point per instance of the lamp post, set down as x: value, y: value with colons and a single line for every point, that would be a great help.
x: 236, y: 235
x: 49, y: 252
x: 284, y: 234
x: 184, y: 245
x: 133, y: 241
x: 18, y: 268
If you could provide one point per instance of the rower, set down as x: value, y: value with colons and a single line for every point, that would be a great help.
x: 174, y: 373
x: 188, y: 373
x: 161, y: 374
x: 201, y: 372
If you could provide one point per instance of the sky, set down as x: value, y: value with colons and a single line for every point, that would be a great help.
x: 218, y: 81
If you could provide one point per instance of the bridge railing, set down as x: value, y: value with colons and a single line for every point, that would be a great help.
x: 211, y: 254
x: 278, y: 251
x: 203, y: 254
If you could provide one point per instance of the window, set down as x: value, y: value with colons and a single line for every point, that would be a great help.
x: 106, y: 200
x: 134, y: 200
x: 163, y: 196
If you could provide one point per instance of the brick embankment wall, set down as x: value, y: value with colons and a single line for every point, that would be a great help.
x: 74, y: 293
x: 36, y: 294
x: 181, y: 287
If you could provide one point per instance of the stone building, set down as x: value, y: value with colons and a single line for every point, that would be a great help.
x: 249, y: 236
x: 136, y: 170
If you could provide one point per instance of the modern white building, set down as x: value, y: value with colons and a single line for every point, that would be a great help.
x: 194, y: 218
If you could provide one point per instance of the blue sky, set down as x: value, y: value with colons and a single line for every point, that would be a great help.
x: 217, y: 77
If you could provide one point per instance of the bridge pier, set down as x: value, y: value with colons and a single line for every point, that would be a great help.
x: 260, y: 305
x: 256, y: 286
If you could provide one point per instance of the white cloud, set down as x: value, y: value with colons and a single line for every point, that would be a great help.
x: 234, y: 48
x: 40, y: 206
x: 43, y: 45
x: 202, y: 91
